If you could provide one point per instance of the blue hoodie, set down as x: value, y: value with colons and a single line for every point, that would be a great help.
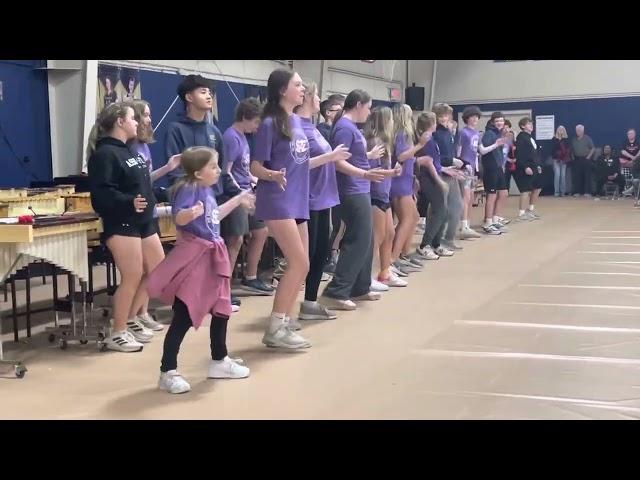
x: 185, y: 133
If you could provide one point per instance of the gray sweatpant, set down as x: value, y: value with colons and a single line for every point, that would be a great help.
x: 352, y: 276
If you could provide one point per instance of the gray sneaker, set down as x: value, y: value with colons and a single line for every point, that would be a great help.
x: 315, y: 311
x: 533, y: 215
x: 283, y: 337
x: 452, y: 245
x: 294, y: 325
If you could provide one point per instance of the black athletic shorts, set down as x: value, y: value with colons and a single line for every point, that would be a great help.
x: 239, y: 223
x: 142, y: 230
x: 384, y: 206
x: 527, y: 183
x: 493, y: 180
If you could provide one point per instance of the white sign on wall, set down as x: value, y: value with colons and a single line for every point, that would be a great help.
x: 545, y: 127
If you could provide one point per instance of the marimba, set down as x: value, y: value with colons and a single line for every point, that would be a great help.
x: 60, y: 240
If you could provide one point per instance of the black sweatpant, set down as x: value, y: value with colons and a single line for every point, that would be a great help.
x: 581, y: 169
x: 318, y: 246
x: 178, y: 329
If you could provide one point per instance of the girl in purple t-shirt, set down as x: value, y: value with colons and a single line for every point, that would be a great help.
x: 196, y: 274
x: 281, y: 164
x: 323, y: 195
x: 352, y: 277
x: 379, y: 131
x: 140, y: 145
x: 404, y: 205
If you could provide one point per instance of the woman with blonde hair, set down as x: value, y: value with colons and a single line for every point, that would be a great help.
x: 561, y: 153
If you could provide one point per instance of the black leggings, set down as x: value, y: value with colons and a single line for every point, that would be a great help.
x: 336, y: 221
x: 178, y: 329
x: 318, y: 246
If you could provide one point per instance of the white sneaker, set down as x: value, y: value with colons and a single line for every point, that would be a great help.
x: 377, y: 286
x: 123, y: 342
x: 394, y: 281
x: 336, y: 303
x: 315, y: 311
x: 504, y: 221
x: 139, y: 331
x: 325, y: 277
x: 453, y: 246
x: 235, y: 308
x: 283, y: 337
x: 147, y: 321
x: 468, y: 233
x: 369, y: 297
x: 173, y: 382
x: 444, y: 252
x: 227, y: 368
x: 398, y: 271
x: 491, y: 230
x: 427, y: 253
x: 294, y: 325
x: 500, y: 227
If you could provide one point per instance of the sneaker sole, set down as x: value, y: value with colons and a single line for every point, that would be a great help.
x: 173, y: 393
x: 287, y: 346
x: 155, y: 328
x: 227, y: 377
x: 336, y: 306
x: 119, y: 349
x: 303, y: 316
x: 255, y: 291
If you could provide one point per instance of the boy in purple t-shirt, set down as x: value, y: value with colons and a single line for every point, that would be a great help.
x: 240, y: 223
x: 468, y: 152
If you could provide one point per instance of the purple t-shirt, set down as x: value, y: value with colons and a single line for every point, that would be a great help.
x: 143, y: 150
x: 346, y: 133
x: 236, y: 154
x: 323, y: 187
x: 380, y: 190
x: 206, y: 226
x: 402, y: 186
x: 469, y: 139
x: 277, y: 152
x: 431, y: 149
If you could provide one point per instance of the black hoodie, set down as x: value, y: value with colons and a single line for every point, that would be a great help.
x: 116, y: 177
x: 526, y: 153
x: 185, y: 133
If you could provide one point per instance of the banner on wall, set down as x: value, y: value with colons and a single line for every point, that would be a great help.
x: 117, y: 84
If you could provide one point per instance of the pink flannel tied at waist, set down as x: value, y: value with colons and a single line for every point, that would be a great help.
x: 196, y: 271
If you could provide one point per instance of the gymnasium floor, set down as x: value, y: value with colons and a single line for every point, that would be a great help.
x: 539, y: 323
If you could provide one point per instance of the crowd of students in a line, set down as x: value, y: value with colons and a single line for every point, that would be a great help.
x: 341, y: 198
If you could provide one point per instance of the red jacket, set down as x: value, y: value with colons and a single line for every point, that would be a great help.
x: 198, y: 272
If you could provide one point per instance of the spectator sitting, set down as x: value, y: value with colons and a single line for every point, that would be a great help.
x: 608, y: 170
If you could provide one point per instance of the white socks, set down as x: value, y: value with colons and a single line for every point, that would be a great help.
x: 520, y: 212
x: 531, y: 208
x: 496, y: 219
x: 275, y: 321
x: 465, y: 224
x: 487, y: 222
x: 249, y: 277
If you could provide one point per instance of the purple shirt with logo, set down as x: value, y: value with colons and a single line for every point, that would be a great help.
x: 380, y: 190
x: 323, y: 187
x: 469, y: 139
x: 402, y: 186
x: 142, y: 149
x: 277, y: 152
x: 236, y: 154
x: 207, y: 225
x: 431, y: 149
x: 346, y: 133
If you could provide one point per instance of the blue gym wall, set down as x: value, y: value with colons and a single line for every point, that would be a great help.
x: 24, y: 123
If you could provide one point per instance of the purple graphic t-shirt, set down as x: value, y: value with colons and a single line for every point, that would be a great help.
x: 206, y: 226
x: 276, y: 152
x: 346, y: 133
x: 402, y: 186
x: 323, y: 186
x: 469, y: 140
x: 236, y: 154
